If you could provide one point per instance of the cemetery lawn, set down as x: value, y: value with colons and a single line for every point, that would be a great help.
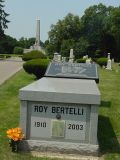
x: 9, y: 114
x: 109, y: 114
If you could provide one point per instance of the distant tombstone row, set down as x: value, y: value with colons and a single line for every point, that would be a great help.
x: 57, y: 57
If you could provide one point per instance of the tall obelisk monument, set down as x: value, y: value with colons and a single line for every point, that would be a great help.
x: 37, y: 41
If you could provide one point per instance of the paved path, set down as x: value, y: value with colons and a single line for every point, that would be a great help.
x: 9, y: 67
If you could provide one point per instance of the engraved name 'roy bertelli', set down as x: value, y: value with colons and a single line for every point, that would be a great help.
x: 60, y: 110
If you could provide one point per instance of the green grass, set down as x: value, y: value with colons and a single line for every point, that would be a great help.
x: 109, y: 114
x: 9, y: 113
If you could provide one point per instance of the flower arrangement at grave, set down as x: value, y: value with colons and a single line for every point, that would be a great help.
x: 15, y: 135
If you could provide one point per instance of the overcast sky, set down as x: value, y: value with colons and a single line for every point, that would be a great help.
x: 23, y: 14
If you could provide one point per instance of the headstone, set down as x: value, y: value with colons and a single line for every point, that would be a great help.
x: 59, y: 58
x: 85, y: 57
x: 63, y: 59
x: 71, y: 58
x: 109, y: 64
x: 73, y: 70
x: 60, y: 115
x: 55, y: 58
x: 88, y: 61
x: 59, y: 112
x: 112, y: 60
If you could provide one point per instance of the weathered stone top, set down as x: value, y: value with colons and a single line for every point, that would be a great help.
x: 62, y: 90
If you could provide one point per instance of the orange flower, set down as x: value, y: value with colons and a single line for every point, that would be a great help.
x: 15, y: 134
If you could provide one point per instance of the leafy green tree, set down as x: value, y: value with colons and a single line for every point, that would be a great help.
x: 97, y: 29
x: 113, y: 29
x: 18, y: 50
x: 81, y: 47
x: 3, y: 20
x: 66, y: 46
x: 26, y: 43
x: 7, y: 44
x: 64, y: 30
x: 93, y: 22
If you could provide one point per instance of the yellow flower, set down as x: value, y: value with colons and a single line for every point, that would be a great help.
x: 15, y: 134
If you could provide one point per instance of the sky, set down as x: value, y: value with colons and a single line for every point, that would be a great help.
x: 24, y: 13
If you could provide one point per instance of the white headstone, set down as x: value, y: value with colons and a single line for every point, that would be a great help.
x: 59, y: 58
x: 71, y: 53
x: 88, y: 61
x: 55, y: 58
x: 71, y: 58
x: 109, y: 66
x: 112, y: 60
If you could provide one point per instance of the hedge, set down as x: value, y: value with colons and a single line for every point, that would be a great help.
x: 33, y: 55
x: 102, y: 61
x: 81, y: 60
x: 36, y: 66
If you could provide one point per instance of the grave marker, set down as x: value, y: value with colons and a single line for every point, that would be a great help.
x: 72, y: 70
x: 60, y: 115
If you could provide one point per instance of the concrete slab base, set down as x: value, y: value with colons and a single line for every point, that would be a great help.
x: 56, y: 148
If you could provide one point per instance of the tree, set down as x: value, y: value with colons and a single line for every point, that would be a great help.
x: 66, y: 46
x: 18, y: 50
x: 81, y: 47
x: 97, y: 30
x: 3, y: 20
x: 93, y: 22
x: 26, y: 43
x: 7, y: 44
x: 64, y: 31
x: 113, y: 29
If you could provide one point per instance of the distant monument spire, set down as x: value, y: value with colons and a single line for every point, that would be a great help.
x: 36, y: 46
x: 37, y: 41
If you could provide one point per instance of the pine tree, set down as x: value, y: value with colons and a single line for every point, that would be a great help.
x: 3, y: 20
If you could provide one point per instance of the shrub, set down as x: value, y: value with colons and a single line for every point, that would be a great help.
x: 33, y: 55
x: 18, y: 50
x: 51, y: 56
x: 81, y: 60
x: 102, y: 61
x: 36, y: 67
x: 4, y: 56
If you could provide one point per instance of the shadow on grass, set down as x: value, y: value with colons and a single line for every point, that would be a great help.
x: 105, y: 104
x: 106, y: 136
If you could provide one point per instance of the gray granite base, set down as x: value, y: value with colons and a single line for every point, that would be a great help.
x: 59, y: 147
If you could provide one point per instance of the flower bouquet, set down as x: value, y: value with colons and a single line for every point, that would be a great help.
x: 15, y: 135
